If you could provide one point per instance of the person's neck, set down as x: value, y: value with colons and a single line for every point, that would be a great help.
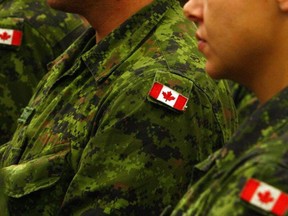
x: 272, y: 76
x: 272, y: 84
x: 268, y: 71
x: 105, y: 17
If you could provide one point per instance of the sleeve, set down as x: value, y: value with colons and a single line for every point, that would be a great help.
x: 24, y: 55
x: 3, y: 148
x: 4, y: 210
x: 248, y: 185
x: 266, y: 164
x: 11, y: 39
x: 140, y: 157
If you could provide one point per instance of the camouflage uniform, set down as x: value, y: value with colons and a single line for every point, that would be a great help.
x: 93, y: 142
x: 245, y: 101
x: 46, y: 33
x: 3, y: 206
x: 258, y: 150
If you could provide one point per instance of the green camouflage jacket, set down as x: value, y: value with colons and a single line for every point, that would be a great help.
x: 93, y: 141
x: 257, y: 153
x: 245, y: 101
x: 31, y: 35
x: 3, y: 205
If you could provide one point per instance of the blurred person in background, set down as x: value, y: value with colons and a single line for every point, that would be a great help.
x: 31, y: 35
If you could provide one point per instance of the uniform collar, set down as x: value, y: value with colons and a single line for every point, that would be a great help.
x: 109, y: 53
x: 272, y: 114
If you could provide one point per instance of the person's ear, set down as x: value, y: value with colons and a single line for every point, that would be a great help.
x: 283, y: 5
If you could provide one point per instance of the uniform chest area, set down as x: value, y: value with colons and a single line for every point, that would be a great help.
x: 61, y: 114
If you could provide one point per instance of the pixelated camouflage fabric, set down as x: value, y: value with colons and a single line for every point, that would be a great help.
x: 46, y: 34
x: 245, y: 101
x: 259, y: 150
x: 92, y: 141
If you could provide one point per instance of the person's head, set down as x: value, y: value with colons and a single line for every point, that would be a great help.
x: 240, y: 38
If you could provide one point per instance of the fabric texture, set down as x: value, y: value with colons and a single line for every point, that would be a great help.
x: 245, y: 101
x: 93, y: 142
x: 258, y: 150
x: 45, y: 34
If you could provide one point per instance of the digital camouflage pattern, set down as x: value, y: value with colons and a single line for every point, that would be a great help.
x: 3, y: 206
x: 259, y: 150
x: 92, y: 141
x: 245, y: 101
x: 46, y: 34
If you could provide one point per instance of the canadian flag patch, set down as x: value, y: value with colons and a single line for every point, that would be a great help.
x: 168, y: 96
x: 265, y: 197
x: 10, y: 37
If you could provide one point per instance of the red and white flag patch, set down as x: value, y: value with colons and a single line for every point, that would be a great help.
x: 265, y: 197
x: 10, y: 37
x: 168, y: 96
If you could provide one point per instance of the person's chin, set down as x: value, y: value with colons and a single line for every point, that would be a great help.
x: 51, y: 3
x: 57, y: 6
x: 213, y: 71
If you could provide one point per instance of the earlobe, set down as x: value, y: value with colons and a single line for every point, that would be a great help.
x: 283, y: 5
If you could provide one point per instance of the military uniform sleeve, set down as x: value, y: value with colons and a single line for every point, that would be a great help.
x: 142, y: 149
x: 2, y: 150
x: 29, y: 40
x: 266, y: 164
x: 228, y: 190
x: 3, y: 208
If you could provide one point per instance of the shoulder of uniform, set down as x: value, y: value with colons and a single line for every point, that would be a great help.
x: 264, y: 197
x: 11, y: 32
x: 170, y: 90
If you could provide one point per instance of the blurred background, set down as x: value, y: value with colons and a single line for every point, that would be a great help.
x: 182, y: 2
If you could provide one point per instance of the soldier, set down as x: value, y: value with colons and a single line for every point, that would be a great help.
x: 247, y: 44
x: 119, y: 121
x: 31, y: 35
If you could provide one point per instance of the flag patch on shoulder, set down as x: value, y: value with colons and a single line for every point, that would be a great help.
x: 265, y: 197
x: 10, y: 37
x: 168, y: 96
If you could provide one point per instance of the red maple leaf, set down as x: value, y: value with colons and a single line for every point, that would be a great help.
x: 168, y: 96
x: 265, y: 197
x: 5, y: 36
